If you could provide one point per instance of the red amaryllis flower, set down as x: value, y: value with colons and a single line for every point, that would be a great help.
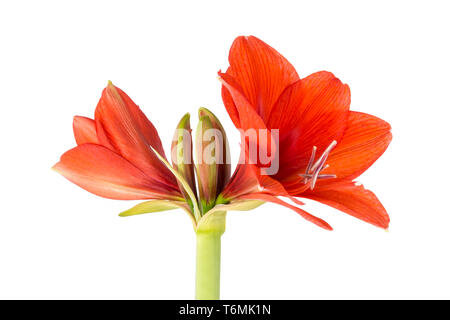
x: 117, y: 156
x: 120, y: 156
x: 323, y: 146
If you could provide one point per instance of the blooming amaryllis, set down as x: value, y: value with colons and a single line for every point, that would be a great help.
x: 313, y: 145
x: 322, y: 146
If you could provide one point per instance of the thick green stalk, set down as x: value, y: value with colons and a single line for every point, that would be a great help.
x: 210, y: 231
x: 208, y: 266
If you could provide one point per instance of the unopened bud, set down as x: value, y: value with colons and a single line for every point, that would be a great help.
x: 212, y: 158
x: 181, y: 154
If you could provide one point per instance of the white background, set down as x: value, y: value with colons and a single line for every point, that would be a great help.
x: 59, y: 241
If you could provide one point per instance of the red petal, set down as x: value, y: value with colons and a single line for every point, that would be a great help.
x: 354, y: 200
x: 247, y: 179
x: 261, y: 72
x: 311, y: 112
x: 243, y: 181
x: 84, y: 130
x: 145, y: 127
x: 99, y: 170
x: 103, y: 138
x: 253, y: 126
x: 248, y: 117
x: 364, y: 141
x: 129, y: 131
x: 275, y: 188
x: 303, y: 213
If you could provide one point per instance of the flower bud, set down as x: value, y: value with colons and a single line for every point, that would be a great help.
x: 212, y: 158
x: 181, y: 154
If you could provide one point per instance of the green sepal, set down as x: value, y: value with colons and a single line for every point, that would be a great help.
x: 150, y: 206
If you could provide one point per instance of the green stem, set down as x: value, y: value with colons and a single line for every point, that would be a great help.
x: 208, y: 266
x: 207, y: 285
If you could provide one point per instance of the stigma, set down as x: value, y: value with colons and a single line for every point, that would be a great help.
x: 314, y: 168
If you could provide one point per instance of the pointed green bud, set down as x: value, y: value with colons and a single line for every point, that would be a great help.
x: 224, y: 161
x: 212, y: 158
x: 181, y: 153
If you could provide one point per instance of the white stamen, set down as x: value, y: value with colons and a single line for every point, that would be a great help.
x: 310, y: 163
x: 324, y: 155
x: 313, y: 170
x: 311, y: 160
x: 327, y: 176
x: 314, y: 179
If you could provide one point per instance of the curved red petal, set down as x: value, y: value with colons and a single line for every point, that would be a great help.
x: 124, y: 126
x: 99, y: 170
x: 275, y: 188
x: 254, y: 130
x: 103, y: 137
x: 261, y: 71
x: 270, y: 198
x: 365, y: 140
x: 243, y: 181
x: 248, y: 117
x: 144, y: 125
x: 84, y: 130
x: 354, y: 200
